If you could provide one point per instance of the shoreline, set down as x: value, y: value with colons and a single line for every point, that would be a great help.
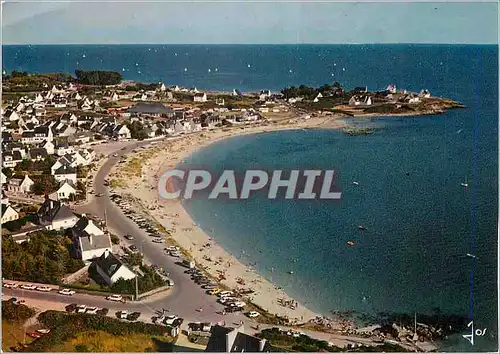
x: 204, y: 250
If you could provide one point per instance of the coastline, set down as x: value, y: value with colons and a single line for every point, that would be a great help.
x: 207, y: 253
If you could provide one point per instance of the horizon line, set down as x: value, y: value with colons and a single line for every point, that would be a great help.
x: 243, y: 44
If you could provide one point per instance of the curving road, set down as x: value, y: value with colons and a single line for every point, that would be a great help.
x: 185, y: 297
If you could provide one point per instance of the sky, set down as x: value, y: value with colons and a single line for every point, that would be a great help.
x: 248, y: 22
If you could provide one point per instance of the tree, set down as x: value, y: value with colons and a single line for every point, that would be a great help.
x: 97, y: 77
x: 115, y: 240
x: 137, y: 130
x: 134, y: 259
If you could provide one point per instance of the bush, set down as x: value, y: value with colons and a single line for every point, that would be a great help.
x: 64, y: 326
x: 16, y: 313
x: 45, y: 258
x: 115, y: 239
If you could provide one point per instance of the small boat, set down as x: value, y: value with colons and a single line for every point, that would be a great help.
x: 465, y: 184
x: 361, y: 227
x: 290, y: 272
x: 350, y: 243
x: 355, y: 182
x: 471, y: 256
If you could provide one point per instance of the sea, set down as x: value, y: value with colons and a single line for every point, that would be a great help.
x: 420, y: 222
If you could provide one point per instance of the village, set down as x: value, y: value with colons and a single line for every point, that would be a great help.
x: 49, y: 132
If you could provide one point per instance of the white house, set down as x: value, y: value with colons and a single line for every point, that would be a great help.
x: 391, y: 89
x: 49, y: 147
x: 63, y: 148
x: 162, y: 87
x: 425, y: 93
x: 11, y: 159
x: 121, y: 132
x: 200, y: 97
x: 140, y: 97
x: 18, y: 185
x: 55, y: 215
x: 9, y: 213
x: 412, y: 99
x: 3, y: 178
x: 38, y: 98
x: 360, y: 101
x: 316, y: 99
x: 12, y: 116
x: 65, y: 172
x: 66, y: 190
x: 89, y: 241
x: 110, y: 268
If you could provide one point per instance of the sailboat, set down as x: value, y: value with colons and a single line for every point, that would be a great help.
x: 465, y: 184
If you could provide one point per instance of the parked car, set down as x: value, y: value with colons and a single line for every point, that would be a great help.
x: 170, y: 319
x: 129, y: 237
x: 21, y: 302
x: 134, y: 248
x: 114, y: 297
x: 66, y: 292
x: 44, y: 288
x: 122, y: 314
x: 43, y: 330
x: 81, y: 308
x: 91, y: 310
x: 34, y: 335
x: 158, y: 240
x: 99, y: 194
x: 28, y: 287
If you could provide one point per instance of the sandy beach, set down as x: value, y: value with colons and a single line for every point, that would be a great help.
x: 141, y: 184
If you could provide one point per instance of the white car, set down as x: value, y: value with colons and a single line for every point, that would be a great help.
x: 9, y: 285
x: 123, y: 314
x: 81, y: 309
x: 28, y: 286
x: 44, y: 288
x: 253, y: 314
x: 66, y: 292
x: 172, y: 248
x: 175, y: 254
x: 170, y: 319
x: 91, y: 310
x: 114, y: 297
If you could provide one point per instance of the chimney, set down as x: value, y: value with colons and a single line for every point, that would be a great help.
x: 90, y: 238
x: 106, y: 253
x: 262, y: 343
x: 51, y: 204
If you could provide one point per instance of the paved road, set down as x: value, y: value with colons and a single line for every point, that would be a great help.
x: 52, y: 300
x: 185, y: 297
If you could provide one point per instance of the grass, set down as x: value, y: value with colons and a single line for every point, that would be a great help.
x: 117, y: 183
x: 133, y: 167
x: 12, y: 334
x: 100, y: 341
